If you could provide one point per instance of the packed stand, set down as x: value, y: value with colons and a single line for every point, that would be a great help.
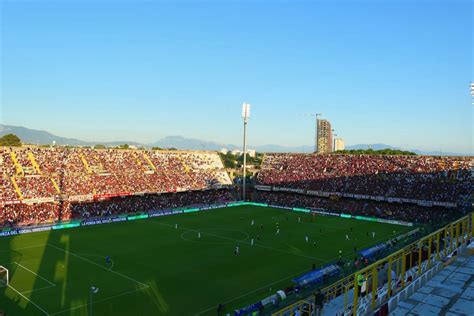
x: 34, y: 176
x: 442, y: 179
x: 48, y: 172
x: 41, y: 213
x: 393, y: 211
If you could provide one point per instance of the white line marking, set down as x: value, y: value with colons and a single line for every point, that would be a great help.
x: 50, y: 283
x: 21, y: 248
x: 98, y: 301
x: 261, y: 288
x: 41, y: 288
x: 98, y: 265
x: 244, y: 242
x: 36, y: 305
x: 293, y: 275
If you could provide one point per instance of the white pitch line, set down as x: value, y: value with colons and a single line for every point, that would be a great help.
x: 261, y: 288
x: 240, y: 241
x: 98, y: 265
x: 34, y: 304
x: 41, y: 288
x: 50, y: 283
x: 281, y: 280
x: 21, y: 248
x: 98, y: 301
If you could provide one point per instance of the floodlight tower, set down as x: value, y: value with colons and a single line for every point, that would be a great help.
x: 245, y: 117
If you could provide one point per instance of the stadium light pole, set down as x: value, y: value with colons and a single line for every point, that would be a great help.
x: 245, y: 117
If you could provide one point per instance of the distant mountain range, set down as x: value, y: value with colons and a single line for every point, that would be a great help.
x: 39, y: 137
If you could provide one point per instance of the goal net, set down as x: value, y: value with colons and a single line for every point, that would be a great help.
x: 3, y: 276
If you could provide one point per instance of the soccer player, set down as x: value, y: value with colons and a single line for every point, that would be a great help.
x: 351, y: 229
x: 306, y: 238
x: 108, y: 261
x: 258, y: 237
x: 340, y: 255
x: 314, y: 243
x: 199, y: 235
x: 251, y: 242
x: 236, y: 250
x: 252, y: 223
x: 278, y: 231
x: 175, y: 226
x: 299, y: 219
x: 373, y: 234
x: 347, y: 237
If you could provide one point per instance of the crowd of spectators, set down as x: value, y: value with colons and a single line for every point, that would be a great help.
x: 108, y: 171
x: 393, y: 211
x: 442, y: 179
x: 23, y: 214
x: 150, y: 202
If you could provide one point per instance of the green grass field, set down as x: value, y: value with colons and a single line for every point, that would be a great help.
x: 160, y: 270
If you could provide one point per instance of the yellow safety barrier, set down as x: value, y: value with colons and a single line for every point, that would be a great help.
x: 19, y: 168
x: 86, y: 165
x: 149, y: 161
x: 464, y: 230
x: 55, y: 186
x: 17, y: 188
x: 33, y: 162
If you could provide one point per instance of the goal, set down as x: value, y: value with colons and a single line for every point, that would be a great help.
x: 3, y: 276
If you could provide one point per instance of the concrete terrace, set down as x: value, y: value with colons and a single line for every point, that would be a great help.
x: 451, y: 292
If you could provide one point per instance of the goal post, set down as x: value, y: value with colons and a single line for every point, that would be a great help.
x: 4, y: 278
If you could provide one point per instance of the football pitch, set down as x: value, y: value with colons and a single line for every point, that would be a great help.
x: 158, y: 269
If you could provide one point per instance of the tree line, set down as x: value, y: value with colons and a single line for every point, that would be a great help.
x: 386, y: 151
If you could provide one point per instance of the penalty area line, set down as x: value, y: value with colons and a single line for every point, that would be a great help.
x: 33, y: 303
x: 100, y: 266
x: 99, y: 301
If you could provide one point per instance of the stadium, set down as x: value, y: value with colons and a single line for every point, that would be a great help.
x: 121, y: 231
x: 135, y: 181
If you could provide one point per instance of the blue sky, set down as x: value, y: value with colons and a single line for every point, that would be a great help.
x: 394, y: 72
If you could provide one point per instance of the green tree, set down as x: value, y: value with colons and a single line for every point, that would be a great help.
x: 99, y: 146
x: 370, y: 151
x: 10, y: 140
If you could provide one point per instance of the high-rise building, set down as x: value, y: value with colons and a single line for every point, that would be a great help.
x: 339, y: 144
x: 324, y: 137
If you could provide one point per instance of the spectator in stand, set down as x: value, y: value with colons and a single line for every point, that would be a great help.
x: 443, y: 179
